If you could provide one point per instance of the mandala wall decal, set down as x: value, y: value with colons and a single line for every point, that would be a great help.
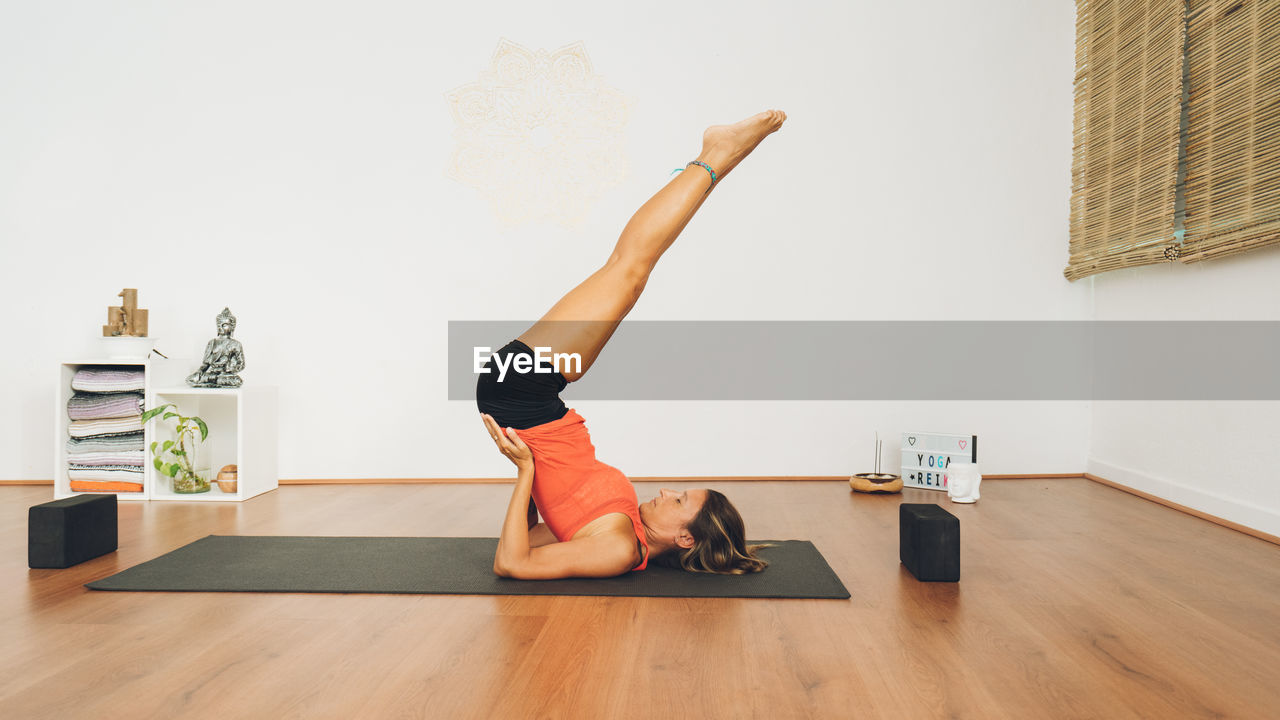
x: 539, y: 134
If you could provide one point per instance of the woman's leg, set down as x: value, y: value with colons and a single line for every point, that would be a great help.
x: 584, y: 319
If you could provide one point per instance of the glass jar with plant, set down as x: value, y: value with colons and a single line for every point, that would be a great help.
x: 177, y: 458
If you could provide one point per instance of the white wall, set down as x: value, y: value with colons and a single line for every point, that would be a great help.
x: 287, y: 159
x: 1211, y: 456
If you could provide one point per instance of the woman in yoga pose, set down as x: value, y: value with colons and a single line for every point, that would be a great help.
x: 594, y: 525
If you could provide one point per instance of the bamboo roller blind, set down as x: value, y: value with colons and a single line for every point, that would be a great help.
x: 1233, y: 128
x: 1129, y: 110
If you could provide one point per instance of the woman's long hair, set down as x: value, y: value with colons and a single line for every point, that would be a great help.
x: 719, y: 542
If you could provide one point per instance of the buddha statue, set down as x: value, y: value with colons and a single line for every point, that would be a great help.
x: 223, y: 357
x: 965, y: 479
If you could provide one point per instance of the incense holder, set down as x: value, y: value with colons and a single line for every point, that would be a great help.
x: 876, y: 483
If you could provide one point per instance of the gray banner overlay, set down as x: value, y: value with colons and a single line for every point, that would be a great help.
x: 905, y: 360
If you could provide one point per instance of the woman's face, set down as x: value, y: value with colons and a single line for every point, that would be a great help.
x: 672, y: 510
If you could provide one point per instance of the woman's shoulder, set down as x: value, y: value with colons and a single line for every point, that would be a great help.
x: 614, y: 523
x: 616, y: 527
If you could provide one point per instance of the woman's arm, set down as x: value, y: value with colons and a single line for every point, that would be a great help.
x: 603, y: 555
x: 513, y: 543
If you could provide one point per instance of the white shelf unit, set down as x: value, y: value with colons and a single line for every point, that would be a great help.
x: 242, y: 432
x: 158, y: 368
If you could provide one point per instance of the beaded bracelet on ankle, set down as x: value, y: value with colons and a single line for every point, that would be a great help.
x: 714, y: 177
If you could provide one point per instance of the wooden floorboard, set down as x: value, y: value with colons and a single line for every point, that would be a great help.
x: 1075, y: 600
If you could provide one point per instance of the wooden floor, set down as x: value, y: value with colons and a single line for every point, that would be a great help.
x: 1075, y: 600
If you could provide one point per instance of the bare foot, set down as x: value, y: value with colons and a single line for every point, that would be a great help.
x: 724, y: 146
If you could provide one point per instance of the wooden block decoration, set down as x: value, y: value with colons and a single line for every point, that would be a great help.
x: 67, y: 532
x: 929, y: 542
x: 925, y: 457
x: 126, y: 319
x: 140, y: 322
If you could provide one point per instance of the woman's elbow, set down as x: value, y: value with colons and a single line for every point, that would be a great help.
x: 508, y: 568
x: 515, y: 570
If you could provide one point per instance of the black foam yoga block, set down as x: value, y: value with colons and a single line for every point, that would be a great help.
x: 67, y: 532
x: 929, y: 542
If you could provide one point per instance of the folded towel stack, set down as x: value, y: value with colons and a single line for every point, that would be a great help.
x: 106, y: 450
x: 108, y: 379
x: 106, y: 427
x: 130, y: 458
x: 104, y: 443
x: 97, y: 406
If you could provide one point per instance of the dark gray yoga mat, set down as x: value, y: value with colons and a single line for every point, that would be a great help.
x: 443, y: 566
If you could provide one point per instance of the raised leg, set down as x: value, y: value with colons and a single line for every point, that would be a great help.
x: 584, y: 319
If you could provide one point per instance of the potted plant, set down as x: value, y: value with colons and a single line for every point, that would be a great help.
x: 177, y: 458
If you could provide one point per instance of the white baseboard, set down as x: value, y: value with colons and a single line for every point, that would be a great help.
x: 1249, y: 515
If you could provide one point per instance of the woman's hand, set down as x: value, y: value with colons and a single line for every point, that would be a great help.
x: 509, y: 443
